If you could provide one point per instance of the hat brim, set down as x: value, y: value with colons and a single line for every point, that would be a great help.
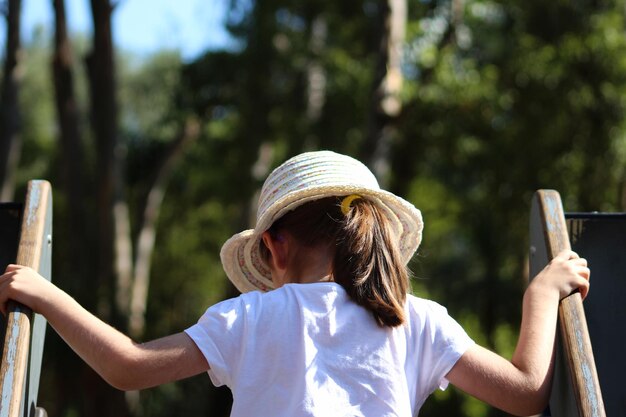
x: 240, y: 254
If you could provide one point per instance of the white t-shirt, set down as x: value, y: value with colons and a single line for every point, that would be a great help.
x: 309, y: 350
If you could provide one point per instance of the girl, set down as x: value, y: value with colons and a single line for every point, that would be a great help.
x: 325, y: 326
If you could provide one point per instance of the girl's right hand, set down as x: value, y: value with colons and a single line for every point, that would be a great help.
x: 566, y: 273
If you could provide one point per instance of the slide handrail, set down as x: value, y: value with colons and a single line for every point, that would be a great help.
x: 25, y: 331
x: 572, y: 321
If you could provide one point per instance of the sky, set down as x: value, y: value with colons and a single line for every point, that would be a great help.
x: 139, y: 26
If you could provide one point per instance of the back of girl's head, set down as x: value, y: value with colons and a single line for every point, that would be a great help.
x: 366, y: 258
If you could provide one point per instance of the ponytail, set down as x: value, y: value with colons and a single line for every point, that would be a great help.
x: 366, y: 261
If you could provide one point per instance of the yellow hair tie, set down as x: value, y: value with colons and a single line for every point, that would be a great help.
x: 347, y: 201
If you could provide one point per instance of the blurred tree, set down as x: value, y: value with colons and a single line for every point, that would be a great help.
x: 10, y: 123
x: 72, y: 221
x: 112, y: 258
x: 386, y: 102
x: 68, y: 116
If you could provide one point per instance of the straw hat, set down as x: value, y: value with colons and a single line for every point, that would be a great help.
x: 306, y: 177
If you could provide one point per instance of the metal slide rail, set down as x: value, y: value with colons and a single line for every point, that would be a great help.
x: 572, y: 321
x: 25, y: 331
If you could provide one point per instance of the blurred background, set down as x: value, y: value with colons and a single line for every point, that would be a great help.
x: 157, y: 121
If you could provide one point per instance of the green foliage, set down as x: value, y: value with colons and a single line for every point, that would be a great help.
x: 522, y: 96
x: 38, y: 112
x: 147, y: 95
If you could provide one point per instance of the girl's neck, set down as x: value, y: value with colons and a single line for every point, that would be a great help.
x: 310, y: 265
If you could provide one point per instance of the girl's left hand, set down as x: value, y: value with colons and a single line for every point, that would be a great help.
x: 24, y: 285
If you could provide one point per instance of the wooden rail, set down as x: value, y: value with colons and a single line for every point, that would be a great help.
x: 572, y: 322
x: 24, y: 337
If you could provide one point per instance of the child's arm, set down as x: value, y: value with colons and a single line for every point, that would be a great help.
x: 522, y: 386
x: 121, y: 362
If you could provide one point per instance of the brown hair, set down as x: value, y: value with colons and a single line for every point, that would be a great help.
x: 366, y: 261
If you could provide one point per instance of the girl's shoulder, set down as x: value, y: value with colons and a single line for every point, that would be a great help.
x: 419, y: 303
x: 422, y: 309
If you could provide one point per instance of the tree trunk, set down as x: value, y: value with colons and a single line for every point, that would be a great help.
x: 147, y: 232
x: 386, y: 104
x: 73, y: 187
x: 72, y: 152
x: 113, y: 224
x: 112, y: 212
x: 10, y: 139
x: 316, y: 78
